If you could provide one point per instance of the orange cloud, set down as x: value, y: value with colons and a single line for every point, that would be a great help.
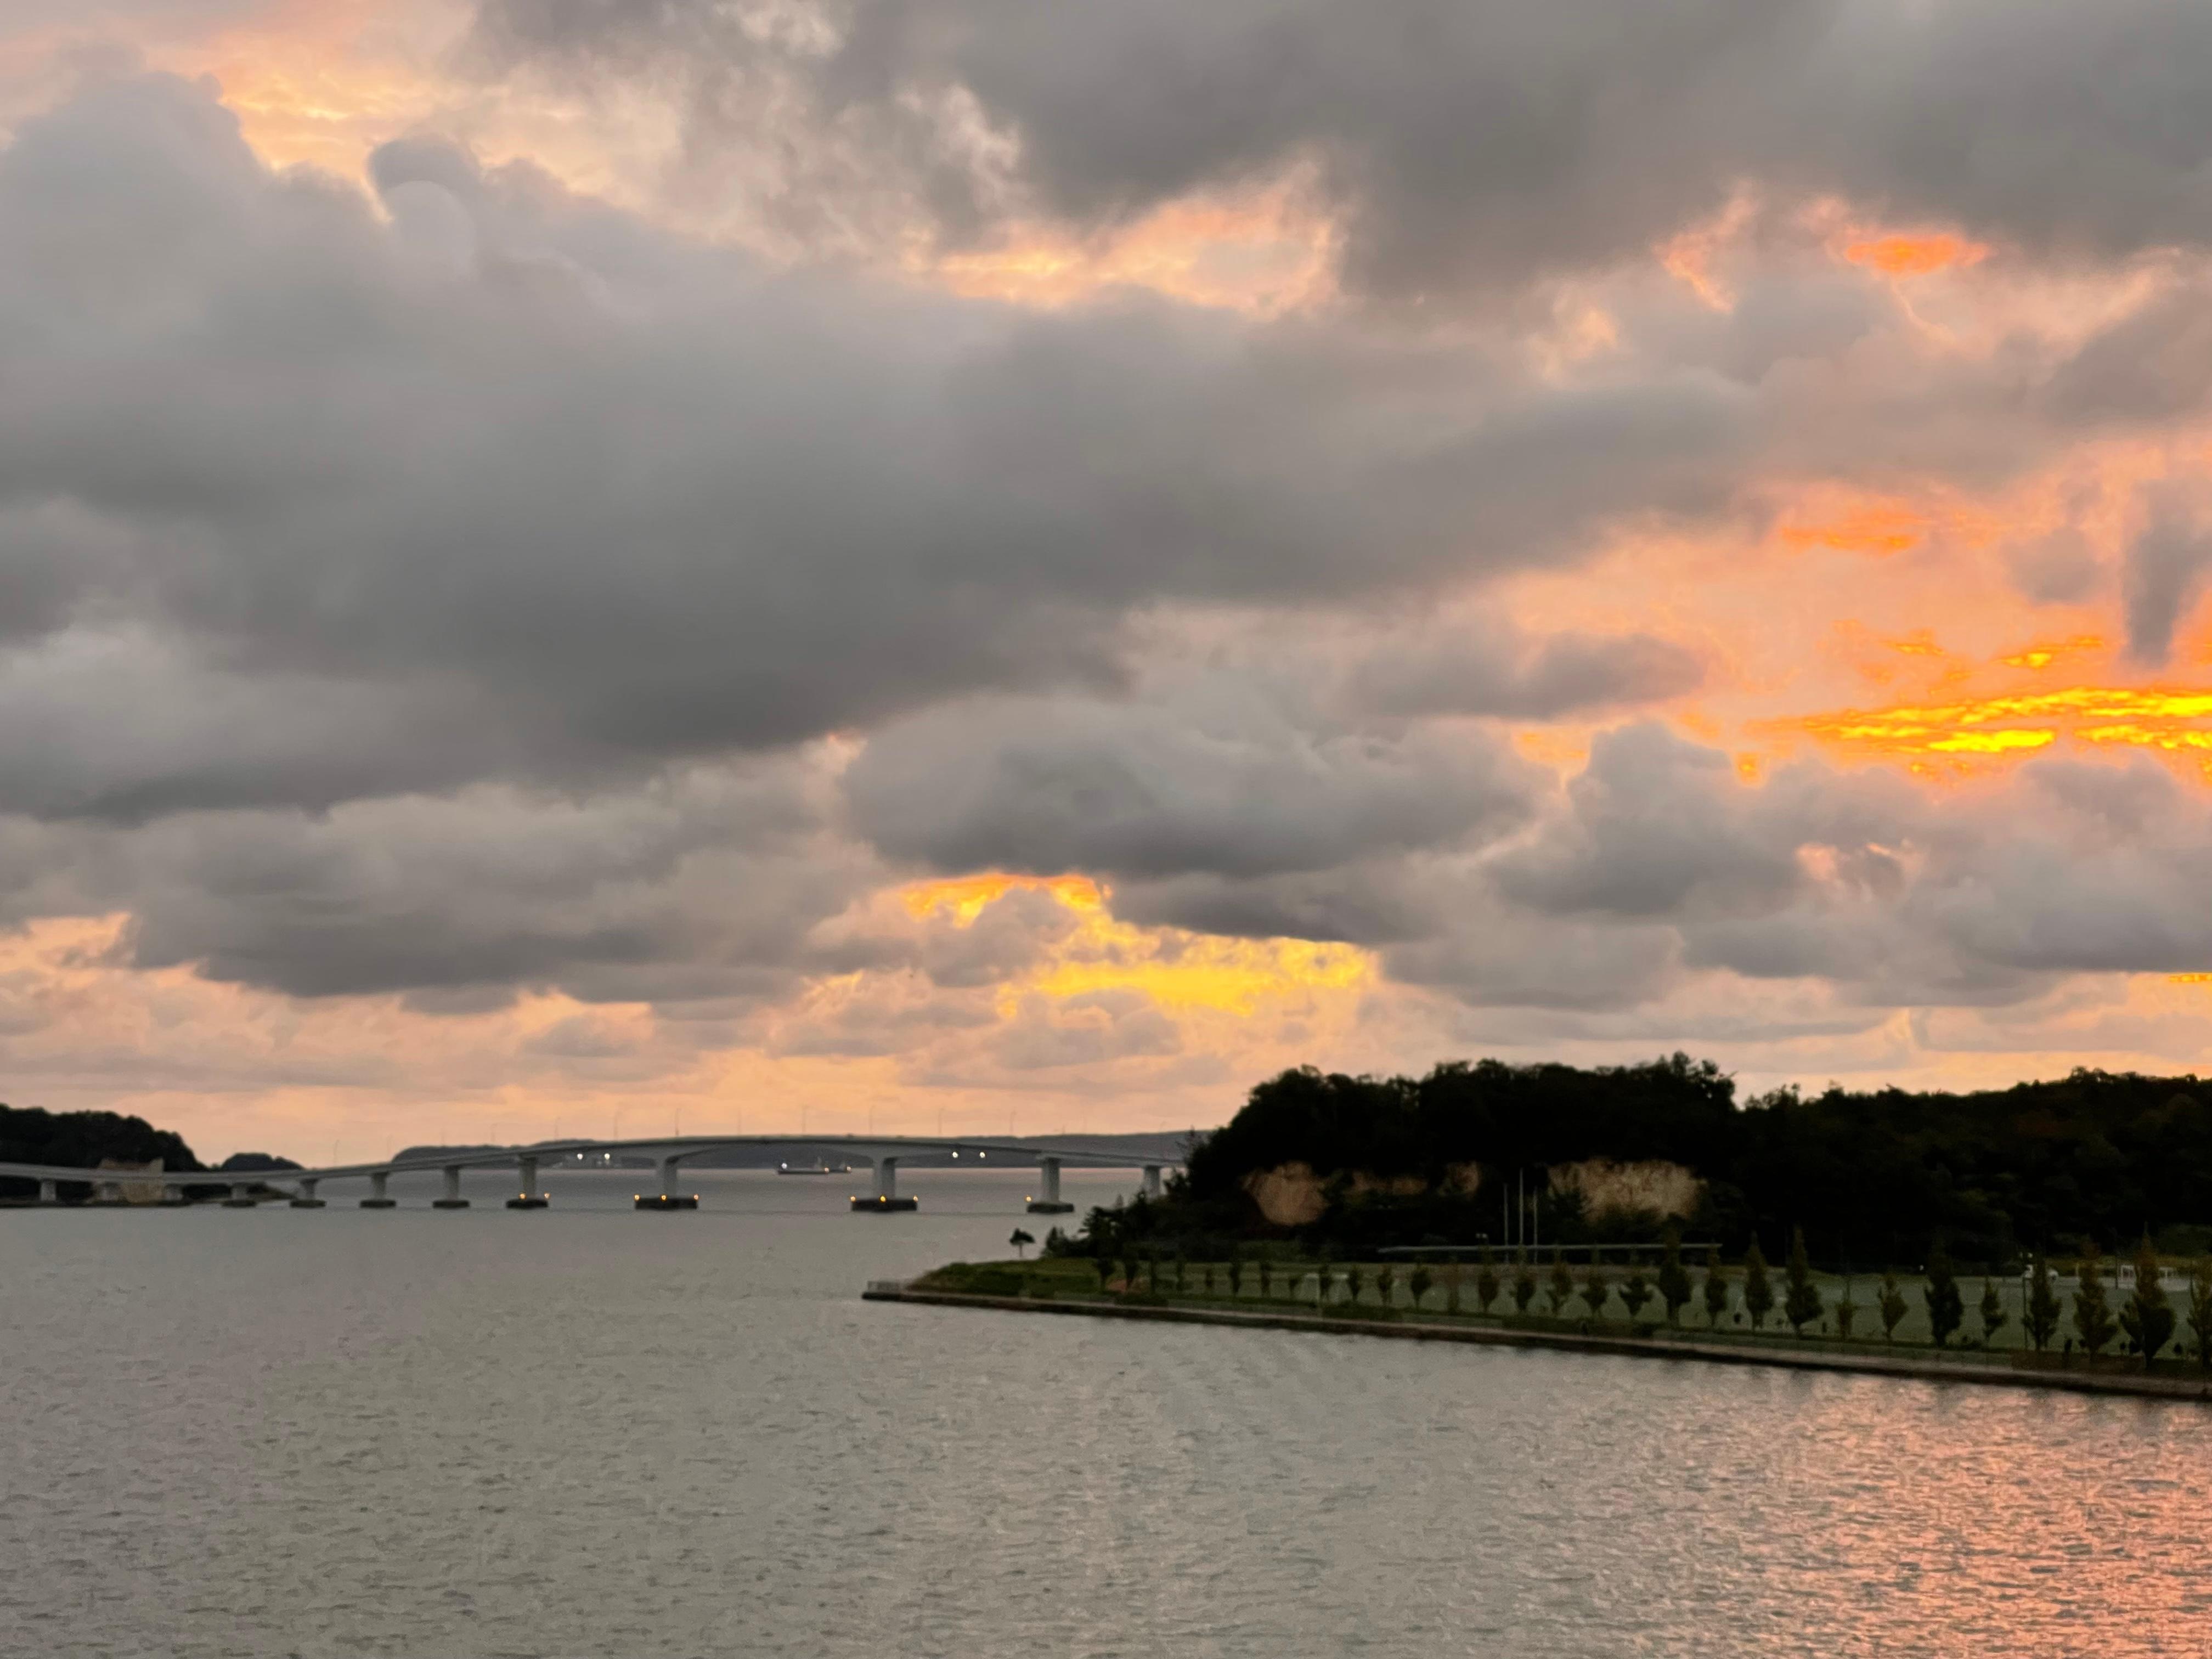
x: 1875, y: 528
x: 1902, y: 255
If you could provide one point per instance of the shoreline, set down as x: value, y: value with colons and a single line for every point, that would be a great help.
x: 1722, y: 1353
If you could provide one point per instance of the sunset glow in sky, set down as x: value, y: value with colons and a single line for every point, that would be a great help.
x: 564, y: 567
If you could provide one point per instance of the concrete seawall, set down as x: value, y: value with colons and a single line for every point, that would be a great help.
x: 1655, y: 1348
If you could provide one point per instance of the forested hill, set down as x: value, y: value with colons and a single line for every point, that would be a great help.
x: 1871, y: 1176
x: 30, y: 1134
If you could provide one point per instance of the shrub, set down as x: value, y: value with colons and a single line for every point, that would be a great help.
x: 1562, y: 1284
x: 2092, y: 1316
x: 1486, y: 1287
x: 2147, y: 1316
x: 1673, y: 1278
x: 1715, y: 1290
x: 1800, y: 1305
x: 2041, y: 1322
x: 1992, y: 1310
x: 1946, y: 1311
x: 1757, y: 1292
x: 1891, y: 1307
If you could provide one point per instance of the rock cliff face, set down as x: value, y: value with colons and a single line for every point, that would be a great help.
x: 1293, y: 1195
x: 130, y: 1192
x: 1651, y: 1187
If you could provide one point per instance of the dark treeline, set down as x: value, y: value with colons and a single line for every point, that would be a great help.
x: 1872, y: 1177
x: 30, y: 1134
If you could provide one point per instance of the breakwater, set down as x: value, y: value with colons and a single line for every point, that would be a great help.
x: 2044, y: 1372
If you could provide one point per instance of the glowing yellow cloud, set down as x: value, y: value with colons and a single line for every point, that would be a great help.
x: 1174, y: 967
x: 2100, y: 716
x: 965, y: 897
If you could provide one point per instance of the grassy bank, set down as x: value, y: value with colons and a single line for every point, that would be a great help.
x: 1354, y: 1299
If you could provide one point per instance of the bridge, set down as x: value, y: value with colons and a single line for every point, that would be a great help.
x: 881, y: 1152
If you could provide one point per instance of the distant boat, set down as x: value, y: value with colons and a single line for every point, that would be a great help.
x: 814, y: 1168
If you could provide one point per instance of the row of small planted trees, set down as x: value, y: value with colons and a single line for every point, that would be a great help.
x: 2146, y: 1318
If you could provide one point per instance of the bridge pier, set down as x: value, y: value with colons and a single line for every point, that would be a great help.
x: 1152, y: 1188
x: 49, y: 1192
x: 452, y: 1200
x: 376, y: 1200
x: 531, y: 1198
x: 885, y: 1198
x: 306, y: 1200
x: 240, y: 1197
x: 172, y: 1192
x: 1049, y: 1201
x: 668, y: 1198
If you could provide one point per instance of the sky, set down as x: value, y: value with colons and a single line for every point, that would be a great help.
x: 593, y: 567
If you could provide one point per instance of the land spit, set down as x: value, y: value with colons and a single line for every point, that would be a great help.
x: 2045, y: 1372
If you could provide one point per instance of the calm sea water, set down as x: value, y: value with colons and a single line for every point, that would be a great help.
x: 589, y: 1431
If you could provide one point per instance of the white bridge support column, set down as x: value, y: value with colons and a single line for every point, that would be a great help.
x: 452, y: 1200
x: 886, y: 1196
x: 1047, y: 1201
x: 531, y: 1198
x: 1152, y: 1180
x: 668, y: 1178
x: 306, y: 1200
x: 172, y: 1192
x: 376, y: 1199
x: 49, y: 1192
x: 240, y: 1198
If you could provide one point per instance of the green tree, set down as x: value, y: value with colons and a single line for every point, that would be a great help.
x: 1847, y: 1311
x: 1021, y: 1241
x: 1715, y: 1290
x: 1562, y: 1284
x: 1946, y: 1309
x: 1800, y: 1301
x: 2041, y: 1321
x: 1419, y: 1281
x: 2146, y: 1315
x: 1992, y: 1310
x: 1355, y: 1274
x: 1758, y: 1291
x: 1386, y: 1286
x: 2092, y: 1315
x: 1890, y: 1307
x: 1673, y: 1278
x: 1597, y: 1288
x: 2200, y: 1310
x: 1634, y: 1290
x: 1486, y: 1286
x: 1524, y: 1285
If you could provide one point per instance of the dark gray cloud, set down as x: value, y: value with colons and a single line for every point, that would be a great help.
x: 1461, y: 143
x: 1488, y: 671
x: 511, y: 486
x: 1221, y: 781
x: 2165, y: 569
